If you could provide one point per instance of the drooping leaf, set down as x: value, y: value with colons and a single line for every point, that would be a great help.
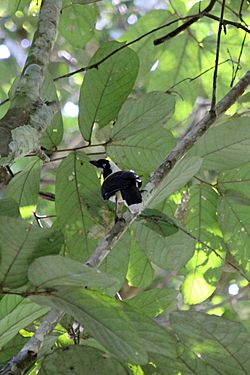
x: 80, y: 360
x: 78, y: 203
x: 105, y: 89
x: 54, y: 271
x: 20, y: 244
x: 220, y: 346
x: 158, y: 222
x: 182, y: 172
x: 170, y: 253
x: 24, y: 188
x: 77, y: 23
x: 17, y: 313
x: 153, y: 302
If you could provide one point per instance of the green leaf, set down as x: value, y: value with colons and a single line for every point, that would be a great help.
x: 236, y: 179
x: 153, y: 302
x: 24, y: 188
x: 80, y: 360
x: 206, y: 265
x: 20, y: 244
x: 9, y: 207
x: 77, y: 24
x: 105, y: 89
x: 140, y: 271
x: 54, y: 132
x: 133, y: 143
x: 78, y: 202
x: 54, y: 271
x: 225, y: 146
x: 104, y: 318
x: 170, y: 253
x: 158, y: 222
x: 17, y: 313
x: 182, y: 172
x: 222, y: 346
x: 234, y: 219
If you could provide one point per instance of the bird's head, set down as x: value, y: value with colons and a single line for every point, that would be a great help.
x: 107, y: 166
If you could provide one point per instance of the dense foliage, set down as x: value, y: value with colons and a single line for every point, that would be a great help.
x: 181, y: 268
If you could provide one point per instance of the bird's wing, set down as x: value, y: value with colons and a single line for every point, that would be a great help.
x: 117, y: 181
x: 131, y: 195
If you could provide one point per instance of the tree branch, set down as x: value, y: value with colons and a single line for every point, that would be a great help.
x: 186, y: 24
x: 28, y: 115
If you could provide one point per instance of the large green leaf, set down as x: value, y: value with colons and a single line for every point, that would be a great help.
x: 138, y: 139
x: 80, y: 360
x: 105, y: 89
x: 54, y: 271
x: 16, y: 313
x: 24, y: 188
x: 77, y: 24
x: 182, y: 172
x: 104, y: 318
x: 170, y: 253
x: 20, y: 244
x: 225, y: 145
x: 211, y: 344
x: 78, y: 202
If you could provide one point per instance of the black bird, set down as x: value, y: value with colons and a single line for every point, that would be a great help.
x: 120, y: 186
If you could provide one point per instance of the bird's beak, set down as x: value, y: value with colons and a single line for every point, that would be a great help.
x: 94, y: 162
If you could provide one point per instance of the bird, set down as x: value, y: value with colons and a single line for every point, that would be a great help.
x: 120, y: 186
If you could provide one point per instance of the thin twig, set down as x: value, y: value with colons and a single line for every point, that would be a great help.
x: 191, y: 79
x: 228, y: 22
x: 213, y: 101
x: 96, y: 65
x: 238, y: 62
